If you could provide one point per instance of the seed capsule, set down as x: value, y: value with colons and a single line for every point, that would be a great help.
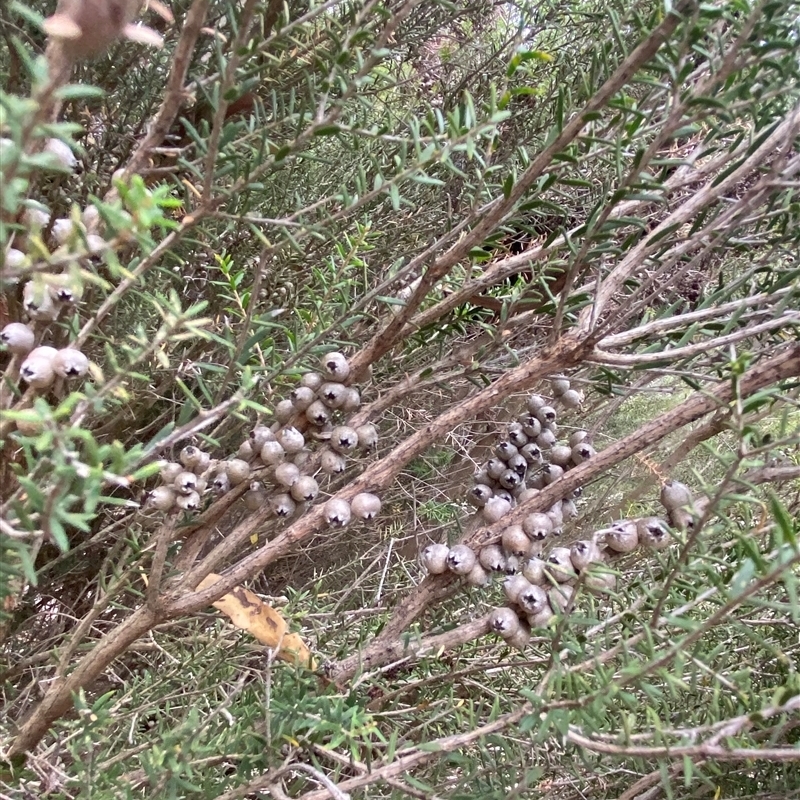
x: 37, y: 369
x: 551, y: 473
x: 542, y: 618
x: 259, y: 436
x: 546, y: 439
x: 344, y: 440
x: 576, y: 437
x: 62, y: 153
x: 313, y: 380
x: 318, y: 414
x: 582, y: 452
x: 162, y: 498
x: 478, y: 576
x: 531, y: 426
x: 302, y: 397
x: 532, y: 453
x: 169, y: 470
x: 38, y: 302
x: 291, y: 439
x: 514, y: 585
x: 492, y: 558
x: 653, y: 533
x: 332, y: 394
x: 479, y: 495
x: 555, y: 515
x: 366, y: 505
x: 367, y: 436
x: 600, y: 580
x: 547, y: 415
x: 495, y: 467
x: 621, y: 536
x: 186, y: 482
x: 286, y: 474
x: 521, y: 638
x: 188, y: 501
x: 535, y: 402
x: 70, y: 363
x: 495, y: 508
x: 675, y: 494
x: 518, y: 464
x: 284, y: 411
x: 304, y: 489
x: 434, y: 558
x: 568, y: 509
x: 537, y: 526
x: 583, y: 553
x: 559, y: 384
x: 504, y: 622
x: 515, y: 541
x: 255, y: 497
x: 282, y: 505
x: 332, y: 463
x: 510, y: 480
x: 221, y: 483
x: 237, y: 470
x: 559, y: 564
x: 517, y: 436
x: 560, y: 597
x: 461, y: 559
x: 337, y: 512
x: 534, y: 570
x: 561, y: 455
x: 526, y: 494
x: 352, y: 400
x: 335, y: 367
x: 272, y: 453
x: 191, y: 457
x: 17, y: 338
x: 532, y: 600
x: 571, y: 399
x: 505, y: 450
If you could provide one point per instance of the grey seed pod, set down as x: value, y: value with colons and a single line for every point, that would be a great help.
x: 237, y: 470
x: 70, y: 363
x: 546, y: 439
x: 559, y: 564
x: 312, y: 380
x: 221, y: 483
x: 531, y: 426
x: 482, y: 476
x: 505, y: 450
x: 434, y: 558
x: 560, y: 597
x: 318, y: 414
x: 518, y: 464
x: 461, y: 559
x: 532, y: 453
x: 169, y: 470
x: 202, y: 482
x: 577, y: 492
x: 162, y: 498
x: 513, y: 564
x: 621, y: 536
x: 43, y: 351
x: 527, y: 494
x: 479, y: 494
x: 541, y: 619
x: 337, y: 512
x: 286, y: 474
x: 517, y: 437
x: 255, y: 497
x: 533, y: 599
x: 510, y: 480
x: 504, y: 494
x: 366, y: 505
x: 583, y: 553
x: 283, y: 505
x: 492, y: 558
x: 561, y: 455
x: 335, y: 367
x: 90, y: 216
x: 17, y: 338
x: 513, y: 586
x: 188, y: 502
x: 185, y: 483
x: 537, y: 526
x: 675, y: 494
x: 259, y: 436
x: 534, y: 570
x: 551, y: 473
x: 535, y: 402
x: 367, y: 436
x: 352, y: 400
x: 305, y: 489
x: 601, y: 581
x: 302, y: 397
x: 559, y: 384
x: 272, y: 453
x: 496, y: 467
x: 653, y: 533
x: 576, y: 437
x: 478, y: 576
x: 191, y: 456
x: 568, y: 509
x: 520, y: 639
x: 332, y: 394
x: 332, y: 463
x: 344, y: 440
x: 284, y: 411
x: 300, y: 458
x: 555, y: 514
x: 515, y: 541
x: 504, y: 622
x: 571, y: 399
x: 582, y: 452
x: 291, y: 439
x: 681, y: 519
x: 37, y: 370
x: 495, y: 508
x: 547, y: 415
x: 38, y: 302
x: 536, y: 480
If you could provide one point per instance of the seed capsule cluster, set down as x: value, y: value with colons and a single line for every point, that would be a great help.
x: 540, y: 573
x: 276, y: 460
